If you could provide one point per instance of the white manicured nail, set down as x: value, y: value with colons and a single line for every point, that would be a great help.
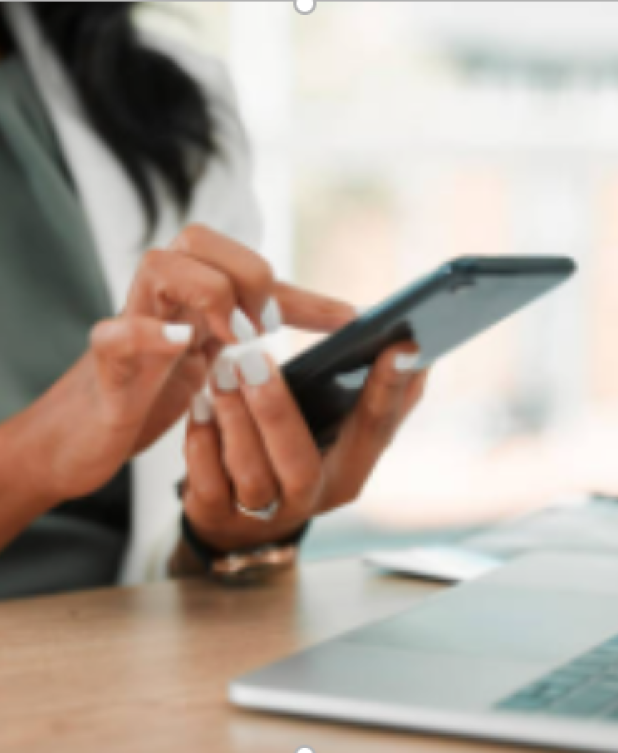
x: 241, y: 326
x: 200, y: 409
x: 254, y: 367
x: 225, y: 374
x: 271, y: 316
x: 179, y: 334
x: 406, y: 364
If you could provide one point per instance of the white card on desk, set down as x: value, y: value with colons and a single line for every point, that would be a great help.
x: 450, y: 564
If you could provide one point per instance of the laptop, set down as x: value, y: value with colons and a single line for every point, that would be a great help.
x: 526, y: 654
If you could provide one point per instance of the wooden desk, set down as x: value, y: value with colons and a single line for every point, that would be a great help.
x: 146, y: 669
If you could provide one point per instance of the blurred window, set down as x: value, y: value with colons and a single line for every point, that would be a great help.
x: 391, y: 137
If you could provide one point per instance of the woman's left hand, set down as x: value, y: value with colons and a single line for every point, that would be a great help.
x: 257, y: 449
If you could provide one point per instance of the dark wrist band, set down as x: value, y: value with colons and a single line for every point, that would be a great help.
x: 202, y: 551
x: 234, y: 566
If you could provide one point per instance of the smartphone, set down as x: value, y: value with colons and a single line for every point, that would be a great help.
x: 439, y: 312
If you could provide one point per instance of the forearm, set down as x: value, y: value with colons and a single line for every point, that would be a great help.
x: 23, y: 496
x: 60, y: 448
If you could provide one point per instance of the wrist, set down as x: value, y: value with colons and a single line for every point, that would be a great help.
x: 70, y: 450
x: 24, y: 497
x: 51, y: 438
x: 224, y: 543
x: 269, y: 556
x: 29, y: 463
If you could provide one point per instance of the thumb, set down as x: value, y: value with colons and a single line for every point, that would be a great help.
x: 312, y: 311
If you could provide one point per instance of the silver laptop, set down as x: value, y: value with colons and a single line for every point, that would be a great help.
x: 528, y: 653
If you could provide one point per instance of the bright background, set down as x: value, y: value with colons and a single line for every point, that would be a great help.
x: 392, y: 136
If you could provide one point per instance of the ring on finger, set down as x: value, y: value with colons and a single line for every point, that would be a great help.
x: 265, y: 514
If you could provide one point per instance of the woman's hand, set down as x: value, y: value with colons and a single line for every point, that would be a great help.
x: 256, y: 448
x: 143, y: 367
x: 229, y: 295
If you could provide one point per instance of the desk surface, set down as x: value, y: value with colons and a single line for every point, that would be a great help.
x: 146, y: 669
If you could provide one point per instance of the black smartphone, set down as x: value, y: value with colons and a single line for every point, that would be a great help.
x: 439, y: 313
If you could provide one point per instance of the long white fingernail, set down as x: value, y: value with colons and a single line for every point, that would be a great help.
x: 201, y: 410
x: 254, y: 367
x: 225, y: 374
x: 406, y: 364
x: 179, y: 334
x: 241, y: 326
x: 271, y: 316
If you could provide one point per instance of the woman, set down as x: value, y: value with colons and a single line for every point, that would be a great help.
x: 110, y: 140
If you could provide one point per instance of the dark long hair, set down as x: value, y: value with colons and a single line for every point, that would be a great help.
x: 150, y: 113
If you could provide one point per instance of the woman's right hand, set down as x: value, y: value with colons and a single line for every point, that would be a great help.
x: 143, y: 367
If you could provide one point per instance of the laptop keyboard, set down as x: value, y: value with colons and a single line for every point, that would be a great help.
x: 587, y: 687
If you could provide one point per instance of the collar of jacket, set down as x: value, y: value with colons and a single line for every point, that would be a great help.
x: 110, y: 203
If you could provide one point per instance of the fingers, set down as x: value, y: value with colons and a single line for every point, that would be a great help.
x: 226, y: 291
x: 249, y: 274
x: 215, y: 480
x: 311, y: 311
x: 266, y: 301
x: 121, y: 347
x: 245, y: 457
x: 208, y: 499
x: 264, y: 450
x: 392, y: 390
x: 263, y: 453
x: 174, y: 287
x: 292, y: 453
